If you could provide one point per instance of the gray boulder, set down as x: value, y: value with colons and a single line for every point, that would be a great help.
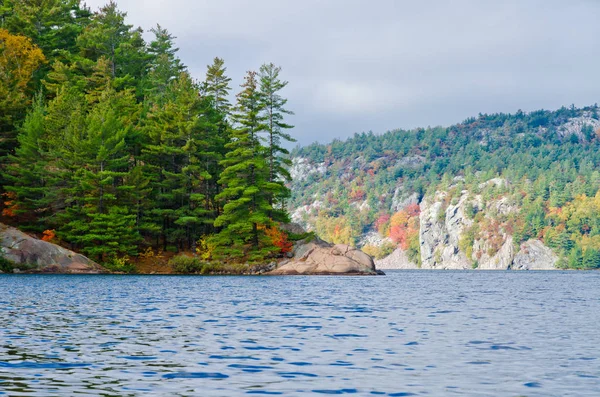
x: 317, y: 257
x: 534, y: 255
x: 32, y: 255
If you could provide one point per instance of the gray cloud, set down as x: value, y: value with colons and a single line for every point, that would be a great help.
x: 357, y: 65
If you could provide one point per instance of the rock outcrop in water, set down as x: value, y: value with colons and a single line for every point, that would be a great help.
x: 534, y: 255
x: 317, y: 257
x: 28, y: 254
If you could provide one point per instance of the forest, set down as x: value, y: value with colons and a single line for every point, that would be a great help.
x: 110, y: 147
x: 550, y: 161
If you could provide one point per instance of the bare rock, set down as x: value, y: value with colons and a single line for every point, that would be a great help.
x: 534, y: 255
x: 37, y: 256
x: 501, y: 260
x: 396, y: 260
x: 320, y: 258
x: 294, y: 228
x: 439, y: 235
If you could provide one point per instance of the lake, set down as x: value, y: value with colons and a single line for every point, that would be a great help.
x: 410, y: 333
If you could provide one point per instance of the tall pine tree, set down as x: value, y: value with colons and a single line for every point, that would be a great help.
x: 245, y: 179
x: 274, y: 112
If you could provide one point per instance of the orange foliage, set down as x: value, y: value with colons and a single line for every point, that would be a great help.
x: 279, y: 239
x: 357, y: 195
x: 49, y: 235
x: 404, y: 224
x: 11, y: 206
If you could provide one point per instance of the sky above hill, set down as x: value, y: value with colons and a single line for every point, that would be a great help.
x: 358, y: 65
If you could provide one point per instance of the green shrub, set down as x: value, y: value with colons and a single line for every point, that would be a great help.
x: 5, y: 265
x: 120, y: 265
x: 308, y: 236
x: 186, y: 264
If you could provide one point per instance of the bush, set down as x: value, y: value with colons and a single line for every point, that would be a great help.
x: 309, y: 236
x: 5, y: 265
x: 186, y: 264
x: 120, y: 265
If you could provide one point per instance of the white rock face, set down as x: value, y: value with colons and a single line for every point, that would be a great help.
x: 302, y: 168
x: 441, y: 232
x: 395, y: 261
x: 496, y: 182
x: 373, y: 238
x: 576, y: 125
x: 534, y: 255
x: 501, y: 260
x: 403, y: 199
x: 439, y: 237
x: 301, y: 214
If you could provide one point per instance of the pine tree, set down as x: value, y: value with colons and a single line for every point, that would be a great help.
x: 215, y: 91
x: 53, y: 25
x: 245, y: 216
x: 95, y: 219
x: 274, y: 113
x: 27, y: 172
x: 174, y: 162
x: 217, y: 87
x: 164, y: 65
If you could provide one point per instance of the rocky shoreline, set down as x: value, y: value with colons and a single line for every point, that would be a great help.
x: 311, y: 256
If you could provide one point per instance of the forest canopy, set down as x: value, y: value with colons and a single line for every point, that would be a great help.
x: 110, y: 146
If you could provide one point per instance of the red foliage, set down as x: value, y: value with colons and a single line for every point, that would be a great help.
x: 357, y: 195
x: 399, y: 235
x: 413, y: 210
x: 382, y: 220
x: 279, y: 239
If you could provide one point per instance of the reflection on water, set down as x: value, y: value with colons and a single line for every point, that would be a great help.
x: 406, y: 334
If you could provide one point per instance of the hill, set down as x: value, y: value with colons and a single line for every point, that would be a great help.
x: 482, y: 193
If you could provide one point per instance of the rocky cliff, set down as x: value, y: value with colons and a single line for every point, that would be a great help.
x: 451, y: 239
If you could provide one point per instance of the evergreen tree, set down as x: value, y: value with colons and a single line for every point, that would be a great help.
x: 215, y: 91
x: 217, y: 87
x: 164, y: 65
x: 246, y: 184
x: 95, y: 219
x: 28, y: 176
x: 174, y: 163
x: 274, y: 112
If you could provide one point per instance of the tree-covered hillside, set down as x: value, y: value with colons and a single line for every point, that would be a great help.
x: 373, y: 183
x: 108, y: 145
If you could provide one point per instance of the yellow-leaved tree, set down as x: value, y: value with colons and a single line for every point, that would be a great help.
x: 19, y: 59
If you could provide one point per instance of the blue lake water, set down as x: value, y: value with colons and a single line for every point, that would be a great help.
x: 411, y: 333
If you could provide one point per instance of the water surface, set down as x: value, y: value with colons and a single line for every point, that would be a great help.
x: 411, y: 333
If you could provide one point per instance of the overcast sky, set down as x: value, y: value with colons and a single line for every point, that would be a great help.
x: 358, y: 65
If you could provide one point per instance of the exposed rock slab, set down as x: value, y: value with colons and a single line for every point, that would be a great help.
x: 501, y: 260
x: 320, y: 258
x: 37, y: 256
x: 397, y: 260
x: 534, y: 255
x: 439, y: 235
